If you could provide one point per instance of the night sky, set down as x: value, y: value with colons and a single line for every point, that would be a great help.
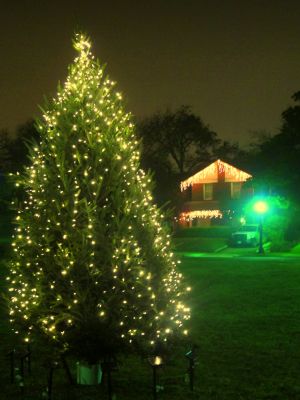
x: 237, y: 63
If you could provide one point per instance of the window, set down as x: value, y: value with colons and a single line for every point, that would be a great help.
x: 236, y: 190
x: 207, y: 191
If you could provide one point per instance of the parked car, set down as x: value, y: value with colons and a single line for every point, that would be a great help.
x: 247, y: 235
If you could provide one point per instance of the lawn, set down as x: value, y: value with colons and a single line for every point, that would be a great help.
x: 246, y: 322
x: 203, y: 239
x: 201, y: 244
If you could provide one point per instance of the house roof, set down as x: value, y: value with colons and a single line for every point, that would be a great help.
x: 211, y: 174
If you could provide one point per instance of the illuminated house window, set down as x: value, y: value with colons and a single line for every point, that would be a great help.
x: 235, y: 188
x: 207, y: 191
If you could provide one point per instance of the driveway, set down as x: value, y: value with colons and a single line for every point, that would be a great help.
x: 246, y: 253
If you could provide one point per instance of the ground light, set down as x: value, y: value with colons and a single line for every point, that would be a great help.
x: 260, y: 207
x: 191, y: 356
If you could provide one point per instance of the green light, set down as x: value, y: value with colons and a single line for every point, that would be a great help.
x: 260, y: 207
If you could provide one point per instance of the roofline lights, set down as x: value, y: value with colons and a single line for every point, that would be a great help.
x: 214, y: 169
x: 190, y: 215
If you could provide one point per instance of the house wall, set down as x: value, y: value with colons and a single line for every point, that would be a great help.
x: 226, y: 198
x: 197, y: 192
x: 221, y: 191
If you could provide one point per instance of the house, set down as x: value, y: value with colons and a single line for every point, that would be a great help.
x: 214, y: 193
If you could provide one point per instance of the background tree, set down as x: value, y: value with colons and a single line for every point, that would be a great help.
x: 14, y: 147
x: 229, y: 152
x: 276, y: 159
x: 6, y: 187
x: 5, y: 156
x: 176, y: 145
x: 93, y: 271
x: 291, y: 121
x: 13, y: 157
x: 275, y: 163
x: 178, y: 138
x: 173, y: 144
x: 25, y: 136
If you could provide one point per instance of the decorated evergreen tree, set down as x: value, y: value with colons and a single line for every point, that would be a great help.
x: 92, y: 269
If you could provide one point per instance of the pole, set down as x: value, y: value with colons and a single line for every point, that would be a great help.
x: 191, y: 372
x: 29, y: 358
x: 12, y: 365
x: 109, y: 382
x: 67, y: 369
x: 154, y: 383
x: 50, y: 381
x: 261, y: 247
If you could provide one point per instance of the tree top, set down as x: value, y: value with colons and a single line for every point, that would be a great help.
x: 82, y: 43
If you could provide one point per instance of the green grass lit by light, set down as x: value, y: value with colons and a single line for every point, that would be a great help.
x: 199, y: 244
x: 247, y: 322
x: 192, y: 255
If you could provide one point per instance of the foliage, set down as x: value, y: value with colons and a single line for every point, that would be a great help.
x: 278, y: 243
x: 178, y: 138
x: 174, y: 145
x: 276, y: 170
x: 6, y: 194
x: 229, y: 152
x: 276, y: 221
x: 93, y: 270
x: 276, y: 158
x: 26, y: 136
x: 14, y: 148
x: 5, y: 156
x: 275, y: 230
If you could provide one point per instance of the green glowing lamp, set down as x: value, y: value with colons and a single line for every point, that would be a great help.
x: 260, y: 207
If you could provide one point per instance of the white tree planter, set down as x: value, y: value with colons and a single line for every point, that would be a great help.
x: 88, y: 374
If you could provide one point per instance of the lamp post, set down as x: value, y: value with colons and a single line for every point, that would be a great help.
x: 155, y: 362
x: 260, y: 207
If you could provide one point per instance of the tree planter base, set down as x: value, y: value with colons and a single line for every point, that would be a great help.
x: 88, y: 374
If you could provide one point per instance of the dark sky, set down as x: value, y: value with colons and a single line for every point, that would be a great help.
x: 237, y: 63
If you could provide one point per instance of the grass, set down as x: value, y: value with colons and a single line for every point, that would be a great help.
x: 296, y: 249
x: 209, y: 232
x: 201, y: 239
x: 199, y: 244
x: 246, y: 322
x: 247, y: 319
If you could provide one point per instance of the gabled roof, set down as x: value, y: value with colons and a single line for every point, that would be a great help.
x: 211, y: 174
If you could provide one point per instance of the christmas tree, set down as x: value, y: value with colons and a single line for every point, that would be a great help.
x: 92, y: 269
